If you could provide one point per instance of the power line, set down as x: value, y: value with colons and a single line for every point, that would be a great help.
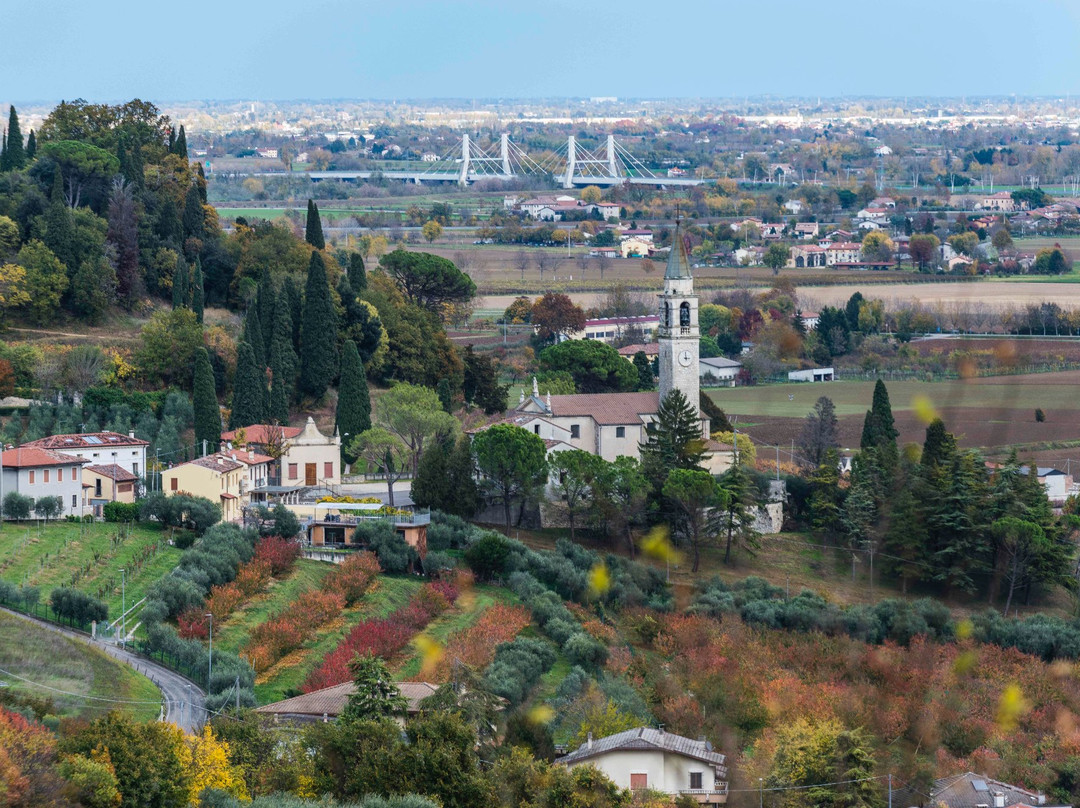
x: 803, y: 788
x: 73, y: 695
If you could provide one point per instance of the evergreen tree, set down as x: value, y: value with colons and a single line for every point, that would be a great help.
x: 198, y: 293
x: 646, y: 380
x: 296, y: 309
x: 205, y: 404
x: 15, y: 152
x: 283, y: 362
x: 59, y: 224
x: 31, y: 146
x: 171, y: 148
x: 131, y: 163
x: 939, y: 446
x: 879, y: 428
x: 431, y: 488
x: 461, y: 472
x: 253, y: 336
x: 482, y: 384
x: 313, y: 233
x: 318, y: 332
x: 354, y: 402
x: 445, y: 397
x: 180, y: 292
x: 357, y: 273
x: 904, y: 542
x: 4, y: 164
x: 168, y: 227
x: 200, y: 182
x: 265, y: 300
x: 194, y: 217
x: 249, y: 390
x: 179, y: 148
x: 718, y: 420
x: 674, y: 437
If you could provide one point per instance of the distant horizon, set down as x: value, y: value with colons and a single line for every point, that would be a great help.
x: 484, y: 49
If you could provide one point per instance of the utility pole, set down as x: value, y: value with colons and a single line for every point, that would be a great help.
x: 236, y: 690
x: 123, y: 606
x: 210, y: 663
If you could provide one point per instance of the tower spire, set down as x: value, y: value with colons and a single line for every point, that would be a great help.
x: 678, y: 265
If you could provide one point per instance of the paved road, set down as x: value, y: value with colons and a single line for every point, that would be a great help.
x: 176, y: 690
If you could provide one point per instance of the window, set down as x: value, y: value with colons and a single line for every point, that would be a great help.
x: 173, y: 484
x: 536, y: 429
x: 684, y: 314
x: 575, y: 431
x: 60, y: 474
x: 695, y: 781
x: 620, y: 432
x: 31, y: 477
x: 97, y: 487
x: 46, y: 475
x: 74, y: 500
x: 293, y: 471
x: 328, y: 469
x: 135, y: 469
x: 639, y: 782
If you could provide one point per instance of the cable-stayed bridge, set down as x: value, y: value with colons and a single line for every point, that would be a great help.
x: 570, y: 165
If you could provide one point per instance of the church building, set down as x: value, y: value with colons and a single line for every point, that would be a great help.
x: 614, y: 424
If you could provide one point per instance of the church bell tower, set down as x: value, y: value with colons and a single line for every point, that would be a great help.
x: 679, y: 336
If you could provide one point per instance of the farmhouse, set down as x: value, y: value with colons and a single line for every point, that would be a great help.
x: 104, y: 484
x: 607, y: 329
x: 971, y: 790
x: 647, y: 758
x: 718, y: 371
x: 35, y: 472
x: 306, y: 457
x: 329, y: 703
x: 812, y: 375
x: 111, y: 448
x: 216, y: 477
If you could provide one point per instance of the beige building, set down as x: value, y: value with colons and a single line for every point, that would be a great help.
x: 104, y: 484
x: 307, y: 457
x: 216, y: 477
x: 646, y: 758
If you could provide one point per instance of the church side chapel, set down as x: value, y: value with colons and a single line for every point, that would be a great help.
x: 614, y: 425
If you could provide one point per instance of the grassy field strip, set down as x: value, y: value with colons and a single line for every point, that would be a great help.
x: 66, y: 664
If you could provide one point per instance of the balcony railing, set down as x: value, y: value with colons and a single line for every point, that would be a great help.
x: 414, y: 519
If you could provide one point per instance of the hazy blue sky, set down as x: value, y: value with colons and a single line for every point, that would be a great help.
x: 282, y: 49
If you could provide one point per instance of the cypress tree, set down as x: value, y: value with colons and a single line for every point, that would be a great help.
x: 313, y: 234
x: 296, y: 308
x: 357, y: 273
x: 180, y: 146
x: 318, y: 332
x: 16, y: 154
x: 253, y: 335
x: 205, y: 404
x: 59, y: 226
x: 939, y: 448
x: 283, y: 362
x: 249, y: 390
x: 168, y: 227
x: 194, y: 217
x: 198, y: 293
x: 879, y: 427
x: 172, y: 141
x: 461, y: 472
x: 31, y: 145
x: 354, y: 402
x: 180, y: 291
x: 4, y: 164
x: 432, y: 488
x: 200, y: 182
x: 445, y: 396
x: 264, y: 303
x: 646, y: 380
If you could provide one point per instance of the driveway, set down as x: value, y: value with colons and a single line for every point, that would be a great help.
x: 184, y: 700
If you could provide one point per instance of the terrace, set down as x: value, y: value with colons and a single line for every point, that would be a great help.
x: 330, y: 524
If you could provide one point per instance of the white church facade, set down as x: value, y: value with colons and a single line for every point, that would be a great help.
x: 614, y: 425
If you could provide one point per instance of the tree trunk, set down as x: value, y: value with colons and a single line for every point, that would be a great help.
x: 630, y: 540
x: 727, y: 550
x: 506, y: 511
x: 570, y: 513
x: 390, y: 488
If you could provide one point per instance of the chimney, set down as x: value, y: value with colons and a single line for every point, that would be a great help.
x: 588, y: 741
x: 131, y: 434
x: 999, y: 799
x: 251, y: 455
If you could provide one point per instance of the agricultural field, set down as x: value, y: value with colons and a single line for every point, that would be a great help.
x: 88, y: 556
x: 987, y: 412
x: 64, y: 664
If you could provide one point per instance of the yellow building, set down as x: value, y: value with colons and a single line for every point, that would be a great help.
x: 216, y: 477
x: 103, y: 484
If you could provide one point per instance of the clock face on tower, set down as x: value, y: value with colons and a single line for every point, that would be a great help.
x: 685, y: 358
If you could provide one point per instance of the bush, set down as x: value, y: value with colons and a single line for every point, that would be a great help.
x: 487, y: 556
x: 517, y: 667
x: 17, y: 506
x: 77, y: 607
x: 438, y: 563
x: 1040, y: 416
x: 121, y: 512
x: 279, y: 552
x: 353, y: 577
x: 583, y: 650
x: 449, y: 532
x: 395, y: 555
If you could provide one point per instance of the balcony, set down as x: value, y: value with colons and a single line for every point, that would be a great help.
x: 707, y: 797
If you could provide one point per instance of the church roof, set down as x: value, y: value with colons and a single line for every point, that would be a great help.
x: 678, y: 264
x: 607, y: 408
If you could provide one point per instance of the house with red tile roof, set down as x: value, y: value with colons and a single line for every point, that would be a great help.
x: 100, y: 448
x: 36, y: 472
x: 105, y: 484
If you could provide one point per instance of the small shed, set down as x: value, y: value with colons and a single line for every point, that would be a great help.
x: 812, y: 375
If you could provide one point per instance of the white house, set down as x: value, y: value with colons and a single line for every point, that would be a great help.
x: 719, y: 371
x: 36, y: 472
x: 306, y: 456
x: 812, y: 375
x: 610, y: 328
x: 647, y: 758
x: 794, y: 206
x: 842, y: 252
x: 100, y: 448
x: 809, y: 319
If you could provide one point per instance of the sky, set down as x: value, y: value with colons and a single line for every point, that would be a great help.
x: 112, y: 50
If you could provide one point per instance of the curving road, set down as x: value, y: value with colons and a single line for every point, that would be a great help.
x: 184, y: 701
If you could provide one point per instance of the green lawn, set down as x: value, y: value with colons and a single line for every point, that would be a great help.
x: 88, y: 556
x: 53, y: 661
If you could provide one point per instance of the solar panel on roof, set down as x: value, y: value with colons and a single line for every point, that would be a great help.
x: 979, y: 785
x: 92, y: 439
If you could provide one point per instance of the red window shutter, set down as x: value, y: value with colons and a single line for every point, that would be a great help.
x: 639, y: 782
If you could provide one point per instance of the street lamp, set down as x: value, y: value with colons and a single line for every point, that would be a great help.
x: 210, y: 663
x: 123, y: 606
x: 761, y: 792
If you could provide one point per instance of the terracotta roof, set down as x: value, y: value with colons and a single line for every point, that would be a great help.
x: 260, y: 433
x: 330, y: 701
x: 31, y: 456
x: 607, y: 408
x: 647, y: 739
x: 87, y: 440
x: 650, y: 349
x: 252, y: 459
x: 214, y: 462
x: 227, y: 495
x: 113, y: 472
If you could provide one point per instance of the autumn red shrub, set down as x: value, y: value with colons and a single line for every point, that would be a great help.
x: 253, y: 576
x: 475, y: 646
x: 193, y: 624
x: 287, y: 630
x: 280, y: 553
x: 354, y: 577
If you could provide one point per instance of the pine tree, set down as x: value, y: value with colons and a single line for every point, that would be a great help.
x: 249, y: 390
x: 904, y: 543
x: 445, y: 397
x: 194, y: 217
x: 180, y: 146
x: 180, y: 293
x: 646, y: 380
x: 354, y: 401
x: 357, y: 273
x: 318, y: 332
x: 16, y: 153
x: 879, y: 428
x: 313, y: 234
x: 198, y: 293
x: 205, y: 404
x: 253, y: 335
x: 59, y: 225
x: 296, y: 310
x: 283, y: 362
x: 31, y: 145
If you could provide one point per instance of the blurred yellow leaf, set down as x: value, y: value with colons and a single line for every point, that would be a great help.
x: 963, y: 630
x: 431, y: 652
x: 656, y: 544
x: 924, y: 409
x: 965, y: 662
x: 599, y: 580
x: 1011, y: 706
x: 541, y: 714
